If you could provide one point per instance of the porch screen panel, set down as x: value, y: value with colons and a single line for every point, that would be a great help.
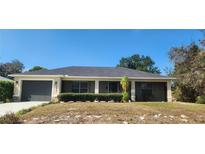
x: 103, y: 87
x: 113, y: 87
x: 110, y: 87
x: 78, y: 86
x: 91, y: 87
x: 159, y: 92
x: 75, y: 86
x: 66, y: 87
x: 150, y: 91
x: 83, y: 86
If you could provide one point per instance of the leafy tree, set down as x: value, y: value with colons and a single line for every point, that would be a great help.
x: 37, y: 68
x: 137, y: 62
x: 189, y: 68
x: 125, y: 84
x: 15, y: 66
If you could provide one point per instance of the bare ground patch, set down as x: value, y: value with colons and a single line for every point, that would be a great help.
x: 116, y: 113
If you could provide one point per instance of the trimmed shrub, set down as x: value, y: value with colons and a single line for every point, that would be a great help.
x: 6, y: 90
x: 200, y: 99
x: 65, y: 97
x: 10, y: 118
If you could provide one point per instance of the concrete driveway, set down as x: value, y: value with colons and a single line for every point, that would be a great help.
x: 17, y: 106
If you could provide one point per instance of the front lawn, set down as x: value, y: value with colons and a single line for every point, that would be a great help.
x: 114, y: 113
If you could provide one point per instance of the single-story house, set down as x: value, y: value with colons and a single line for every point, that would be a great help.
x: 45, y: 85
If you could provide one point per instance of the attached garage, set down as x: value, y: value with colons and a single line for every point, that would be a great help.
x: 36, y: 90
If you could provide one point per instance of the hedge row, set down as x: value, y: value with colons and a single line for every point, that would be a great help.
x: 6, y: 90
x: 65, y: 97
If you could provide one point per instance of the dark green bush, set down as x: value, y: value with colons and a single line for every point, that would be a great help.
x: 6, y: 90
x: 116, y: 97
x: 200, y: 99
x: 10, y: 118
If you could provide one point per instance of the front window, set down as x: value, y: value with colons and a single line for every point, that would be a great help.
x: 78, y: 86
x: 75, y: 86
x: 113, y: 87
x: 83, y: 87
x: 110, y: 87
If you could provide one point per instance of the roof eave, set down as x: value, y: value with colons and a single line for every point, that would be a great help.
x: 104, y: 77
x: 94, y: 77
x: 28, y: 75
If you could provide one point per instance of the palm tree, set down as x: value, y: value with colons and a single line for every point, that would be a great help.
x: 125, y: 84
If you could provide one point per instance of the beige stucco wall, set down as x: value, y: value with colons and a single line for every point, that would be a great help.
x: 56, y: 88
x: 133, y: 91
x: 169, y: 91
x: 56, y: 84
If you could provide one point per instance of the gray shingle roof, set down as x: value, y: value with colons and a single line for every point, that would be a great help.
x: 85, y: 71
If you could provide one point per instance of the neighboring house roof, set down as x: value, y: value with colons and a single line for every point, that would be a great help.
x: 4, y: 79
x: 85, y: 71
